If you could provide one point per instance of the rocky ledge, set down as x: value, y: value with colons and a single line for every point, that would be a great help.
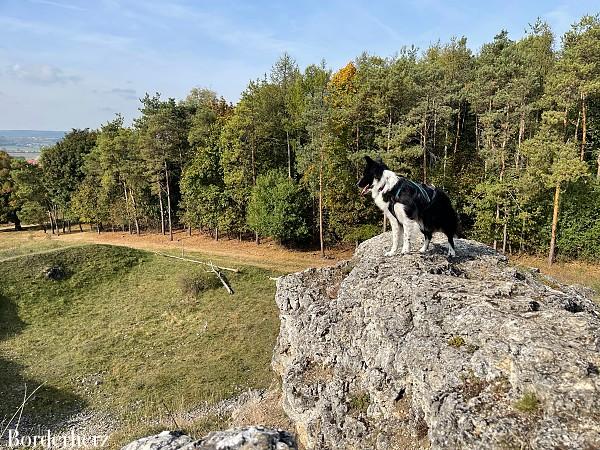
x: 417, y: 351
x: 244, y: 438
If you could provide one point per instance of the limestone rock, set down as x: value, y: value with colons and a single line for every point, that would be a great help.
x: 245, y: 438
x: 415, y: 350
x: 167, y: 440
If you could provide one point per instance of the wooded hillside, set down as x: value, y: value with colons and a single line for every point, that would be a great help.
x: 511, y: 132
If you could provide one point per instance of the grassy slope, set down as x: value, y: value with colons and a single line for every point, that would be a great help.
x: 118, y: 335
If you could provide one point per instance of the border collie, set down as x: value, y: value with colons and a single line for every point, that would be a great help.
x: 404, y: 201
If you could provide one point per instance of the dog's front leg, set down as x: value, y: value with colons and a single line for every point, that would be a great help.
x: 405, y: 222
x: 395, y: 234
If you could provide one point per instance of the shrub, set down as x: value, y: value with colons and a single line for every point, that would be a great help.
x: 529, y: 403
x: 359, y: 403
x: 362, y: 233
x: 579, y: 224
x: 279, y: 207
x: 196, y: 284
x: 456, y: 341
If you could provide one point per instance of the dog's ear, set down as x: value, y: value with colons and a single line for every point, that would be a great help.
x: 368, y: 159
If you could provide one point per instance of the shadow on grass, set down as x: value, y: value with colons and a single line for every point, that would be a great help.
x: 49, y: 407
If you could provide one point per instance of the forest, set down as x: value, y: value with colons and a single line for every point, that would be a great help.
x: 511, y: 132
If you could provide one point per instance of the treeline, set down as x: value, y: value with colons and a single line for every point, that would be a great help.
x: 512, y: 133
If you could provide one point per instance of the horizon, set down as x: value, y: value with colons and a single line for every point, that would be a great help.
x: 63, y: 65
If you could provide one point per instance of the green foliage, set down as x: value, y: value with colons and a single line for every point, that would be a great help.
x: 456, y: 341
x: 195, y: 284
x: 9, y: 204
x: 362, y: 233
x: 279, y: 208
x: 528, y: 403
x: 579, y: 224
x: 359, y: 403
x: 505, y: 131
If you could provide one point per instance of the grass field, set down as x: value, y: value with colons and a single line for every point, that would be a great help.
x: 122, y: 337
x: 118, y: 335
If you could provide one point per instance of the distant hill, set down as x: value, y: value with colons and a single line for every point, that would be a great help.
x: 27, y: 143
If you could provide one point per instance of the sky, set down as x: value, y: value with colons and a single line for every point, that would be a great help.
x: 75, y: 63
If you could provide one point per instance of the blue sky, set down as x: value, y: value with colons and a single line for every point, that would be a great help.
x: 74, y: 63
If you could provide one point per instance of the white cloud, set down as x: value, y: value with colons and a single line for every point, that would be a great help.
x: 43, y: 74
x: 125, y: 93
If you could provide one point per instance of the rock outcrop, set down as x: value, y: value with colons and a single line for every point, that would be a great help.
x: 246, y: 438
x: 412, y: 351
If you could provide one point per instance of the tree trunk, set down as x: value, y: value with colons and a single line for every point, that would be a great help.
x: 476, y: 133
x: 554, y: 224
x: 168, y: 202
x: 135, y: 216
x: 126, y: 206
x: 457, y: 129
x: 583, y: 126
x: 17, y: 223
x: 162, y: 209
x: 434, y: 128
x: 216, y: 233
x: 51, y: 221
x: 505, y: 232
x: 253, y: 162
x: 289, y: 153
x: 80, y: 228
x: 502, y: 170
x: 389, y: 133
x: 424, y: 149
x: 521, y: 136
x: 445, y: 157
x: 321, y: 210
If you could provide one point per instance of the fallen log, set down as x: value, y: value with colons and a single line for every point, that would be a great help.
x: 198, y: 262
x: 218, y: 274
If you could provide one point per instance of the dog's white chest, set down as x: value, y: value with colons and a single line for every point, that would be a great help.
x: 380, y: 202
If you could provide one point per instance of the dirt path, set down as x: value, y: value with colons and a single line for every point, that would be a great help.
x: 268, y: 254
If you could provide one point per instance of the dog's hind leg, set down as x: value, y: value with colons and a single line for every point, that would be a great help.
x: 451, y: 250
x: 428, y: 236
x: 395, y: 233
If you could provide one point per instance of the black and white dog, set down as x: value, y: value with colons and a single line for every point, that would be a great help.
x: 404, y: 201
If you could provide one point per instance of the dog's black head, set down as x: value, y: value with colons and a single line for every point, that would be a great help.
x: 373, y: 171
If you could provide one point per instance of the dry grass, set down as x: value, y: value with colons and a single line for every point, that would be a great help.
x: 263, y: 409
x: 568, y: 272
x: 268, y: 254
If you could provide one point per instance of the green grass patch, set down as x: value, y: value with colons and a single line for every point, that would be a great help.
x: 119, y: 335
